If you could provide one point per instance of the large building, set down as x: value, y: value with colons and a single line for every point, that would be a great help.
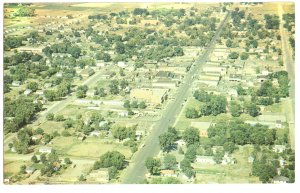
x: 151, y: 95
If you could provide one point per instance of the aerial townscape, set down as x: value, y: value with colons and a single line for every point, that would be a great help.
x: 149, y: 93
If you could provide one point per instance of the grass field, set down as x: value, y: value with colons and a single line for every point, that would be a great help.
x: 237, y: 173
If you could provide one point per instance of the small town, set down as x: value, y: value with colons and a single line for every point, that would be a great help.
x: 149, y: 93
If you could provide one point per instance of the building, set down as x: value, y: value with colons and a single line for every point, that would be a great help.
x: 235, y: 78
x: 211, y: 80
x: 164, y: 83
x: 165, y: 74
x: 272, y: 117
x: 139, y: 134
x: 168, y: 173
x: 280, y: 180
x: 16, y: 83
x: 279, y: 148
x: 180, y: 143
x: 39, y: 92
x: 205, y: 159
x: 122, y: 64
x: 101, y: 176
x: 90, y: 93
x: 123, y: 114
x: 95, y: 133
x: 87, y: 72
x: 250, y: 159
x: 30, y: 169
x: 45, y: 149
x: 215, y: 69
x: 151, y: 95
x: 27, y: 91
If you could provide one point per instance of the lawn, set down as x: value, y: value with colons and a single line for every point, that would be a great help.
x: 237, y: 173
x: 92, y: 147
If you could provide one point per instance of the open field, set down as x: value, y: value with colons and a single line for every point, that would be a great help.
x: 237, y: 173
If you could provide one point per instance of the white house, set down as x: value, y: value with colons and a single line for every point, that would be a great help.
x: 45, y: 149
x: 205, y: 159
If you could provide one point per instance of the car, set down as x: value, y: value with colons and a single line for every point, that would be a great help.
x: 143, y: 145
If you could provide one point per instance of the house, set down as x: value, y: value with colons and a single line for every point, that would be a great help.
x: 16, y: 83
x: 280, y: 180
x: 103, y: 123
x: 95, y: 133
x: 151, y: 95
x: 227, y: 159
x: 235, y: 78
x: 168, y: 173
x: 279, y: 148
x: 232, y: 92
x: 37, y: 137
x: 27, y: 91
x: 261, y: 78
x: 47, y: 85
x: 250, y: 159
x: 59, y: 74
x: 90, y: 93
x: 282, y: 162
x: 101, y: 176
x: 278, y: 124
x: 203, y: 133
x: 81, y: 137
x: 123, y: 114
x: 180, y: 142
x: 121, y: 64
x: 87, y: 72
x: 205, y: 159
x: 39, y: 92
x: 272, y: 117
x: 45, y: 149
x: 30, y: 169
x: 139, y: 134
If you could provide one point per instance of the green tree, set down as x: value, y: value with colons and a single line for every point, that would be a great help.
x: 67, y: 161
x: 191, y: 136
x: 244, y: 56
x: 169, y: 162
x: 191, y: 113
x: 126, y: 104
x: 142, y: 105
x: 252, y: 109
x: 34, y: 159
x: 112, y: 172
x: 233, y: 55
x: 235, y: 109
x: 50, y: 116
x: 33, y: 86
x: 153, y: 165
x: 109, y: 159
x: 167, y: 141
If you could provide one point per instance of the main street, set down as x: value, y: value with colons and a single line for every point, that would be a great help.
x: 290, y: 67
x: 136, y: 170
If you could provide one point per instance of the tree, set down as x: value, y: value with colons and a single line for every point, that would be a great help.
x: 142, y: 105
x: 244, y: 56
x: 22, y: 169
x: 235, y: 109
x: 33, y: 86
x: 191, y: 136
x: 134, y: 104
x: 39, y: 131
x: 51, y: 95
x: 229, y: 43
x: 167, y: 141
x: 43, y: 158
x: 81, y: 178
x: 50, y: 116
x: 126, y: 104
x: 153, y: 165
x: 25, y: 11
x: 81, y: 91
x: 252, y: 109
x: 229, y: 147
x: 233, y: 55
x: 191, y: 152
x: 112, y: 172
x: 191, y: 113
x: 218, y: 157
x: 59, y: 118
x: 119, y: 133
x: 34, y: 159
x: 109, y: 159
x: 114, y: 87
x: 169, y: 162
x: 67, y: 161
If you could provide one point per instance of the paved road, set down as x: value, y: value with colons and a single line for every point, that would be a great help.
x: 290, y: 67
x: 136, y: 170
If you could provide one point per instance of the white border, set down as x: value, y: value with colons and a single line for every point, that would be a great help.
x: 232, y: 188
